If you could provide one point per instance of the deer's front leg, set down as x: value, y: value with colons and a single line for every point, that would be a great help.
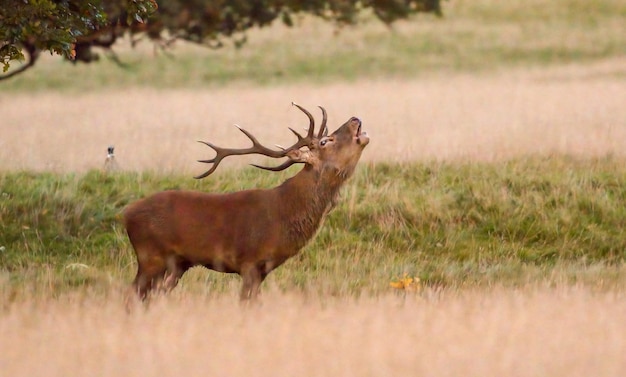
x: 252, y: 276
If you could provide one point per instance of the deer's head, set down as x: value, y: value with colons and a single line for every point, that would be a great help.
x: 334, y: 155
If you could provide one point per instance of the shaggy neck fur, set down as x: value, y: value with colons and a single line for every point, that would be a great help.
x: 312, y: 194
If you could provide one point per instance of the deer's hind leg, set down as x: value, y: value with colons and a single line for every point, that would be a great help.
x: 149, y: 275
x: 151, y: 265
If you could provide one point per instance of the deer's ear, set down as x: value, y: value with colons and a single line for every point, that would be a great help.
x: 296, y: 155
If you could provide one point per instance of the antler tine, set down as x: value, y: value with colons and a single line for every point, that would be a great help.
x: 323, y: 128
x: 311, y: 130
x: 257, y: 147
x: 283, y: 166
x: 215, y: 161
x: 296, y: 133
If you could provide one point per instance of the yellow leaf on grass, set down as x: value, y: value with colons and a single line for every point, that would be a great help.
x: 406, y: 283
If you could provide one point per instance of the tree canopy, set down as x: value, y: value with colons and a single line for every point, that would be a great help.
x: 72, y: 28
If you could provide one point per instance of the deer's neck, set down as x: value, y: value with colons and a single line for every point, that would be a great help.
x: 306, y: 198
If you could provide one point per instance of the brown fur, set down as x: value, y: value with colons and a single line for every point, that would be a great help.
x: 247, y: 232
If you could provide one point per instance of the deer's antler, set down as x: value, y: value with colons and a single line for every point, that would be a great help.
x: 258, y: 148
x: 323, y: 129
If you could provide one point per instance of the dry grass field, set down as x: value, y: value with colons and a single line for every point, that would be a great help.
x: 507, y: 80
x: 530, y: 332
x: 574, y: 110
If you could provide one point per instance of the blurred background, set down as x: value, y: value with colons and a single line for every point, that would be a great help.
x: 456, y: 80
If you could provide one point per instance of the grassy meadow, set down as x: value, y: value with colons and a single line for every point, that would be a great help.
x: 495, y: 179
x: 553, y: 221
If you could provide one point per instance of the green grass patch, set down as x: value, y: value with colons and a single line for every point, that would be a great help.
x: 479, y: 36
x: 552, y: 221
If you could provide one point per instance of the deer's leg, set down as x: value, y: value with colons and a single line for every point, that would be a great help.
x: 148, y: 276
x: 252, y: 276
x: 176, y: 267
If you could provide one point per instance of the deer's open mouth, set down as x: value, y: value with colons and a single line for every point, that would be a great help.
x: 361, y: 136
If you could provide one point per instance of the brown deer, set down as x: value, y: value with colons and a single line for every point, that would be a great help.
x: 249, y: 232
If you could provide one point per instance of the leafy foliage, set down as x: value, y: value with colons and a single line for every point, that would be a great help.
x: 208, y: 22
x: 62, y: 26
x: 71, y: 28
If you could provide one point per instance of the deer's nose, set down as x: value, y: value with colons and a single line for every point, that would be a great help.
x: 356, y: 120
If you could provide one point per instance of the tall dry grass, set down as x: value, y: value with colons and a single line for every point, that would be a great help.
x: 577, y: 110
x: 530, y: 332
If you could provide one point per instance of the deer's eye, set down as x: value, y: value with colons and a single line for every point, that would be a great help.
x: 324, y: 141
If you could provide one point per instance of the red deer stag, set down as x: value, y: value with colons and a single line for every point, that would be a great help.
x: 248, y: 232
